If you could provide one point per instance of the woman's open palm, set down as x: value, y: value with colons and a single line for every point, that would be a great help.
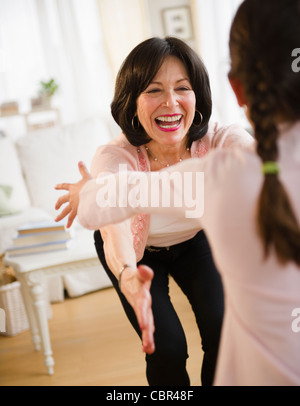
x: 72, y: 197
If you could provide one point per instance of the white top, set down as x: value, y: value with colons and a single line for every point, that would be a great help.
x: 173, y: 230
x: 259, y: 342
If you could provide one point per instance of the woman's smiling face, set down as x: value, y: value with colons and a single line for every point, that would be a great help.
x: 166, y: 108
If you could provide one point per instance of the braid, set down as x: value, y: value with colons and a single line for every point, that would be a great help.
x: 262, y: 99
x: 277, y: 225
x: 276, y: 222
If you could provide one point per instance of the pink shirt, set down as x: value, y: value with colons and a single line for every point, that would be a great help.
x: 108, y: 159
x: 260, y: 342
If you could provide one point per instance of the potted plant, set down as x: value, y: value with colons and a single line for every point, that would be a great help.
x: 46, y: 91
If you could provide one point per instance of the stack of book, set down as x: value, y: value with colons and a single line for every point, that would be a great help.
x: 38, y: 237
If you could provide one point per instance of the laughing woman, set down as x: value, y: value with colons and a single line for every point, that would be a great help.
x: 162, y: 103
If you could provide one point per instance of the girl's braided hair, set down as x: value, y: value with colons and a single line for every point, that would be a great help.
x: 262, y: 38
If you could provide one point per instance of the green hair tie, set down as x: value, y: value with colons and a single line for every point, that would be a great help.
x: 270, y: 168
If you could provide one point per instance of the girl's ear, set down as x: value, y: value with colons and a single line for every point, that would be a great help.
x: 238, y: 89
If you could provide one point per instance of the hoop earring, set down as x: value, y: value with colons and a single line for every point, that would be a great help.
x: 135, y: 127
x: 201, y: 119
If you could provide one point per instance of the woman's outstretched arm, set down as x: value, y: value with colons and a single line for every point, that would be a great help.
x: 176, y: 191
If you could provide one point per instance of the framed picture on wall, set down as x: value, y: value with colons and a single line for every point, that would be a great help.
x: 177, y: 22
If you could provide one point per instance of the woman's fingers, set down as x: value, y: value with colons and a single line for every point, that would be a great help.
x: 144, y: 311
x: 62, y: 200
x: 83, y: 171
x: 145, y: 274
x: 72, y: 197
x: 62, y: 186
x: 148, y: 335
x: 71, y: 218
x: 64, y: 213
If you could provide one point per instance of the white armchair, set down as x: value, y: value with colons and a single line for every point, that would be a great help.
x: 31, y: 166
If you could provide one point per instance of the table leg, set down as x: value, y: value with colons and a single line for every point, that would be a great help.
x: 36, y: 339
x: 36, y: 291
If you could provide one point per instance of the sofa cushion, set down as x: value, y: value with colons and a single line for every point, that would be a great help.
x: 50, y: 156
x: 11, y: 175
x: 6, y: 207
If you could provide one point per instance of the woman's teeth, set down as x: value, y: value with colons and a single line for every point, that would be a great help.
x: 168, y: 121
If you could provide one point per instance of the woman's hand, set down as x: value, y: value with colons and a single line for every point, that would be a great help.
x: 72, y: 198
x: 135, y: 286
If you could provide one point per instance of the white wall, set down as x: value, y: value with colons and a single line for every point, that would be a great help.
x: 155, y: 9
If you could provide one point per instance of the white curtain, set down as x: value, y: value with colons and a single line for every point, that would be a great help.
x: 213, y: 19
x: 41, y: 39
x: 125, y: 24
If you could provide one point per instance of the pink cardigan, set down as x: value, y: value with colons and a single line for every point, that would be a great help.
x: 120, y: 151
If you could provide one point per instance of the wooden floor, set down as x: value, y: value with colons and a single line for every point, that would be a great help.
x: 93, y: 345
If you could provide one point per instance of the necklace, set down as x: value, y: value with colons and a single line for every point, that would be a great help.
x: 164, y: 163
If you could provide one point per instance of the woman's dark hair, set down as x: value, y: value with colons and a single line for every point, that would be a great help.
x: 137, y: 72
x: 263, y: 36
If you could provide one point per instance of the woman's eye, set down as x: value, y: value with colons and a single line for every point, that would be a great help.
x: 157, y: 90
x: 183, y: 88
x: 151, y: 91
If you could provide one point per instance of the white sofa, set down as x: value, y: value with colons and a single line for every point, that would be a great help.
x: 30, y: 166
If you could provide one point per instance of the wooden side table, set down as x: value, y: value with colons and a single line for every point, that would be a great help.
x: 32, y: 270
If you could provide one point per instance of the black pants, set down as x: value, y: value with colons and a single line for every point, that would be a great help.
x: 192, y: 267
